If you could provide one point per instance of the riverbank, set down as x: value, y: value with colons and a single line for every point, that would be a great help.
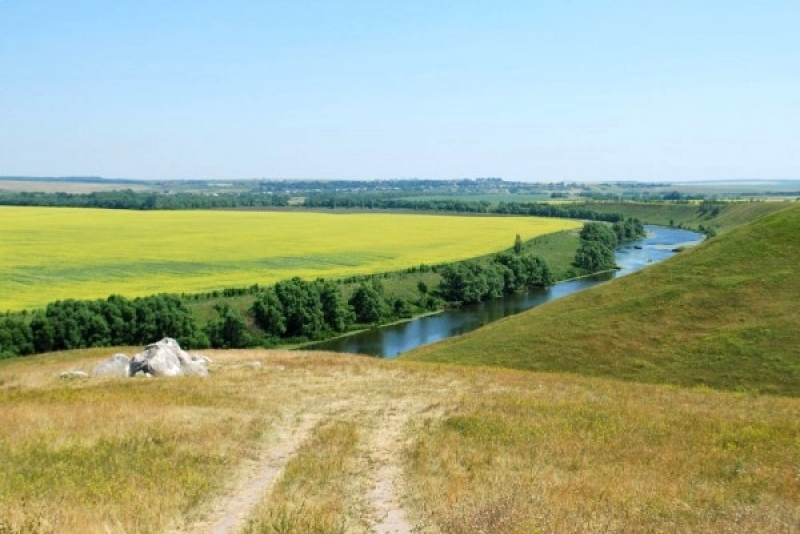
x: 391, y: 341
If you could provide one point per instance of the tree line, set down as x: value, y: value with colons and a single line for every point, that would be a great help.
x: 133, y: 200
x: 76, y: 324
x: 538, y: 209
x: 294, y: 309
x: 385, y: 200
x: 470, y: 282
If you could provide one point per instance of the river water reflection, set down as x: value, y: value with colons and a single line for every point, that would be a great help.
x: 390, y: 341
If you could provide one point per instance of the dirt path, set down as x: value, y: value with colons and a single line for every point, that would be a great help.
x: 381, y: 402
x: 382, y: 470
x: 229, y: 514
x: 385, y: 449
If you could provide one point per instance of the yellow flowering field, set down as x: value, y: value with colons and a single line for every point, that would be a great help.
x: 48, y: 254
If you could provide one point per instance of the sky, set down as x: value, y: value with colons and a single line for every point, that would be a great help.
x: 524, y: 90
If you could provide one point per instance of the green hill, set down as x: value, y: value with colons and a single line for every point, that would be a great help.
x: 691, y: 215
x: 725, y: 315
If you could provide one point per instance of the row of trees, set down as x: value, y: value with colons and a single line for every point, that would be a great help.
x: 539, y: 209
x: 471, y: 282
x: 132, y: 200
x: 291, y: 309
x: 300, y: 310
x: 75, y: 324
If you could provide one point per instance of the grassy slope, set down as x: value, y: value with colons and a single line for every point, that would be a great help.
x: 732, y: 215
x: 724, y: 315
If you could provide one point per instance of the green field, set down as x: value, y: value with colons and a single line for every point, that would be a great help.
x: 48, y: 254
x: 723, y: 315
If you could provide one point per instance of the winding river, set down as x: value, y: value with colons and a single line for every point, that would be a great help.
x: 390, y: 341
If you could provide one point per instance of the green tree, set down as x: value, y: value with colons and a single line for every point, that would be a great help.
x: 368, y: 304
x: 401, y: 309
x: 16, y: 337
x: 596, y: 252
x: 338, y: 315
x: 629, y: 229
x: 267, y: 311
x: 230, y: 330
x: 302, y: 308
x: 599, y: 233
x: 422, y: 287
x: 470, y: 282
x: 594, y: 256
x: 537, y: 272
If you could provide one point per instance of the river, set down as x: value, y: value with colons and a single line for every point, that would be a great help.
x: 390, y: 341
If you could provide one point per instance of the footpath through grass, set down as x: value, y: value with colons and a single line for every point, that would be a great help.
x: 723, y: 315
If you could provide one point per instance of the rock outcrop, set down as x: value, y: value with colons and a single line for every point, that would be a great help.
x: 163, y: 358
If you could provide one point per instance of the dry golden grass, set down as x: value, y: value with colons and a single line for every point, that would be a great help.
x: 101, y: 455
x: 475, y: 450
x: 539, y: 453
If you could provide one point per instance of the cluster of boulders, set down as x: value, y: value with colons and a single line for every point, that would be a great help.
x: 163, y: 358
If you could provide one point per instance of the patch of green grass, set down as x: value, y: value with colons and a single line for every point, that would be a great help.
x: 723, y: 315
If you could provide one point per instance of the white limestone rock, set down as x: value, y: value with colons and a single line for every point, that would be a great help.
x: 118, y: 366
x: 166, y: 358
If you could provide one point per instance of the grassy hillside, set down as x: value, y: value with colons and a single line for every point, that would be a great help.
x: 723, y: 315
x: 315, y: 442
x: 731, y: 215
x: 49, y: 254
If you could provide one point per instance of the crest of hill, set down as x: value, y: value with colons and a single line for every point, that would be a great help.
x: 724, y: 315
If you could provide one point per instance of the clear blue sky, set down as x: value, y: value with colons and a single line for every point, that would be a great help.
x: 525, y: 90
